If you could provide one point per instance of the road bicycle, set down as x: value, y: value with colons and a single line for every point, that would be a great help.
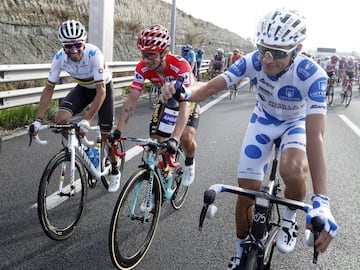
x: 137, y: 210
x: 154, y: 95
x: 259, y: 245
x: 330, y: 90
x: 346, y: 95
x: 63, y: 185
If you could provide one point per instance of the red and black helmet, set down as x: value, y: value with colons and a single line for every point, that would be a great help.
x: 155, y: 38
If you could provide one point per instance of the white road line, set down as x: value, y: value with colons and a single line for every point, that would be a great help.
x: 350, y: 124
x: 212, y: 103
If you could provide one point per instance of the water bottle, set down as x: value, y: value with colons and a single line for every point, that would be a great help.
x: 173, y: 102
x: 96, y: 150
x: 90, y: 153
x: 95, y: 159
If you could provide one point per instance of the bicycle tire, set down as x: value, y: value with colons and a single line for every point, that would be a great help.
x: 130, y: 237
x: 154, y: 94
x: 105, y: 163
x: 60, y: 214
x: 231, y: 95
x: 251, y: 260
x: 181, y: 192
x: 348, y: 95
x: 330, y: 95
x: 270, y: 244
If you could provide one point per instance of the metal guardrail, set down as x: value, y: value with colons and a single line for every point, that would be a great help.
x: 30, y: 72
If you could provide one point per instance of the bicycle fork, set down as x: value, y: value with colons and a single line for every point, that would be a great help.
x: 72, y: 173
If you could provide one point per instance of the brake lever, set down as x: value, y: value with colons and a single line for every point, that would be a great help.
x: 318, y: 225
x: 209, y: 198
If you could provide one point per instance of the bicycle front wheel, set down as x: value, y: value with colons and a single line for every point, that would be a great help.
x: 348, y: 95
x: 60, y: 203
x: 330, y: 95
x: 250, y: 263
x: 132, y: 229
x: 181, y: 192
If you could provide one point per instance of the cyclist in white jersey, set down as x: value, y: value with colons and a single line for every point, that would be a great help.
x: 85, y: 63
x: 290, y: 104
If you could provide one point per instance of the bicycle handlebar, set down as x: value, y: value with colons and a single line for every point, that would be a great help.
x: 150, y: 142
x: 37, y: 139
x: 209, y: 209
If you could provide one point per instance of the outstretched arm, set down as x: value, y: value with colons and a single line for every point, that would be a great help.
x: 127, y: 109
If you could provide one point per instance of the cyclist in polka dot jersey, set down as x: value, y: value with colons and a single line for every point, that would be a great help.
x: 290, y: 104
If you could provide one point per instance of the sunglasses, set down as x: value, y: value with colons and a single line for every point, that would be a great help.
x: 149, y: 55
x: 275, y: 53
x: 76, y: 46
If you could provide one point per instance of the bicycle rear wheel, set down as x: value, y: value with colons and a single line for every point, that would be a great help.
x: 181, y: 192
x: 60, y: 212
x: 105, y: 163
x: 154, y: 94
x: 131, y: 230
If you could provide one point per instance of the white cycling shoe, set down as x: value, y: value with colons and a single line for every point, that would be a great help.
x: 114, y: 182
x: 286, y: 237
x: 189, y: 175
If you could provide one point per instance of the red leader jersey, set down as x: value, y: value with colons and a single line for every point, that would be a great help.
x: 175, y: 66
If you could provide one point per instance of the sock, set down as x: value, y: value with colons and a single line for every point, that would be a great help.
x: 239, y: 249
x: 114, y: 169
x: 189, y: 161
x: 289, y: 214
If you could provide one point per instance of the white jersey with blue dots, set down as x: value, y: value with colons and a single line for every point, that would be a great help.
x: 282, y: 105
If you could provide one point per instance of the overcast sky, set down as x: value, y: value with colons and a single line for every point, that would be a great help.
x: 330, y: 24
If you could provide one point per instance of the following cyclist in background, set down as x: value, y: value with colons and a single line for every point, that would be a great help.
x: 188, y: 54
x: 236, y: 55
x: 85, y: 63
x: 199, y: 59
x: 228, y: 60
x: 217, y: 63
x: 350, y: 71
x: 179, y: 124
x: 341, y: 72
x: 290, y: 104
x: 331, y: 67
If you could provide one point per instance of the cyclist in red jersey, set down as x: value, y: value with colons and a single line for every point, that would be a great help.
x: 177, y: 124
x: 235, y: 56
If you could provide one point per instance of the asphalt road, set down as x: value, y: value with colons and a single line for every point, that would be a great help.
x: 178, y: 243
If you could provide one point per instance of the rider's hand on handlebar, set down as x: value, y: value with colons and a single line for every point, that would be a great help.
x: 34, y: 127
x: 321, y: 208
x: 84, y: 126
x: 114, y: 137
x: 172, y: 145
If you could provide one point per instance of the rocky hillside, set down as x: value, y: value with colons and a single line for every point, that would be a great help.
x: 28, y: 28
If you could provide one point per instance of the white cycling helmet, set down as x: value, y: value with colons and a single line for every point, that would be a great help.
x: 350, y: 59
x: 71, y: 31
x: 282, y: 27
